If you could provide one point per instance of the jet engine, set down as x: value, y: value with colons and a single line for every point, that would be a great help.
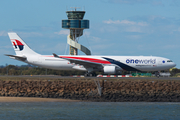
x: 109, y: 69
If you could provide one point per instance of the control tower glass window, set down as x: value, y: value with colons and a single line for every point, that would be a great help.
x: 75, y: 14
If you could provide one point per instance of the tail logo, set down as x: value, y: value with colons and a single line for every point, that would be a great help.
x: 17, y: 44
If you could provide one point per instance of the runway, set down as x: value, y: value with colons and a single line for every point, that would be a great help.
x: 51, y: 77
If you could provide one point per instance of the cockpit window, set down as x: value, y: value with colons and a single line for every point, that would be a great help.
x: 169, y: 61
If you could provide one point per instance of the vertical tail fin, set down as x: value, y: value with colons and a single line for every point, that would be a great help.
x: 20, y: 47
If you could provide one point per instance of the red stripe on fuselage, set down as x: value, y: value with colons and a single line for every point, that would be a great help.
x: 88, y: 59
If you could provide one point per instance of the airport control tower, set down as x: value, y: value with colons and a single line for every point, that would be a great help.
x: 76, y: 25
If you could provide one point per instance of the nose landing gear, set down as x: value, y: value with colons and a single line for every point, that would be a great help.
x: 157, y: 74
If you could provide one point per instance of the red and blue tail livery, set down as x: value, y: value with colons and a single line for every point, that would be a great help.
x: 17, y: 44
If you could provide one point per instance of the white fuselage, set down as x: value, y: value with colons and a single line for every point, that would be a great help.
x: 141, y: 63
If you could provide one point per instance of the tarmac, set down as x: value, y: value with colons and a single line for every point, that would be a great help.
x: 70, y: 77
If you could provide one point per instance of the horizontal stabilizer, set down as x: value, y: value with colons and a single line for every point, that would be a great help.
x: 22, y: 58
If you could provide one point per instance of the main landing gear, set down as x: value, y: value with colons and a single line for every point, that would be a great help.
x: 90, y: 74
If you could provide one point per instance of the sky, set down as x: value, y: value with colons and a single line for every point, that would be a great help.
x: 117, y: 27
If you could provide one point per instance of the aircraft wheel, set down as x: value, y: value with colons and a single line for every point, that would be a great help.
x: 87, y: 75
x: 157, y: 74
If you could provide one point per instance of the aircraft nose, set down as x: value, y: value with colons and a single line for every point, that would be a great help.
x: 173, y: 64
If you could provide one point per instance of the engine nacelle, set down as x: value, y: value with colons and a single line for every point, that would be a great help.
x: 109, y: 69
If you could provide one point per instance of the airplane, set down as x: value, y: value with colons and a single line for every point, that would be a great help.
x: 90, y: 64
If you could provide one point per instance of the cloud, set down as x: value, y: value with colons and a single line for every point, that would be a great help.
x: 124, y: 26
x: 63, y: 32
x: 87, y: 33
x: 170, y: 46
x: 155, y: 17
x: 157, y: 3
x: 125, y: 22
x: 109, y: 28
x: 23, y: 34
x: 178, y: 29
x: 102, y: 47
x: 143, y: 24
x: 175, y: 3
x: 132, y: 2
x: 134, y: 29
x: 57, y: 48
x: 30, y: 34
x: 6, y: 47
x: 96, y: 39
x: 128, y: 1
x: 119, y: 22
x: 3, y: 33
x: 134, y: 36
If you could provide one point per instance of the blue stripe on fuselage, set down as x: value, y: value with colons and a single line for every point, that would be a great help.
x: 122, y: 65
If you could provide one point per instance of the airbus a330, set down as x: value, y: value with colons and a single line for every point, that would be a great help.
x: 106, y: 64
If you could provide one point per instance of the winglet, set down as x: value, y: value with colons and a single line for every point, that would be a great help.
x: 55, y: 55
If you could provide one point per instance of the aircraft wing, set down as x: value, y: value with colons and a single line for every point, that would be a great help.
x: 85, y: 63
x: 22, y: 58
